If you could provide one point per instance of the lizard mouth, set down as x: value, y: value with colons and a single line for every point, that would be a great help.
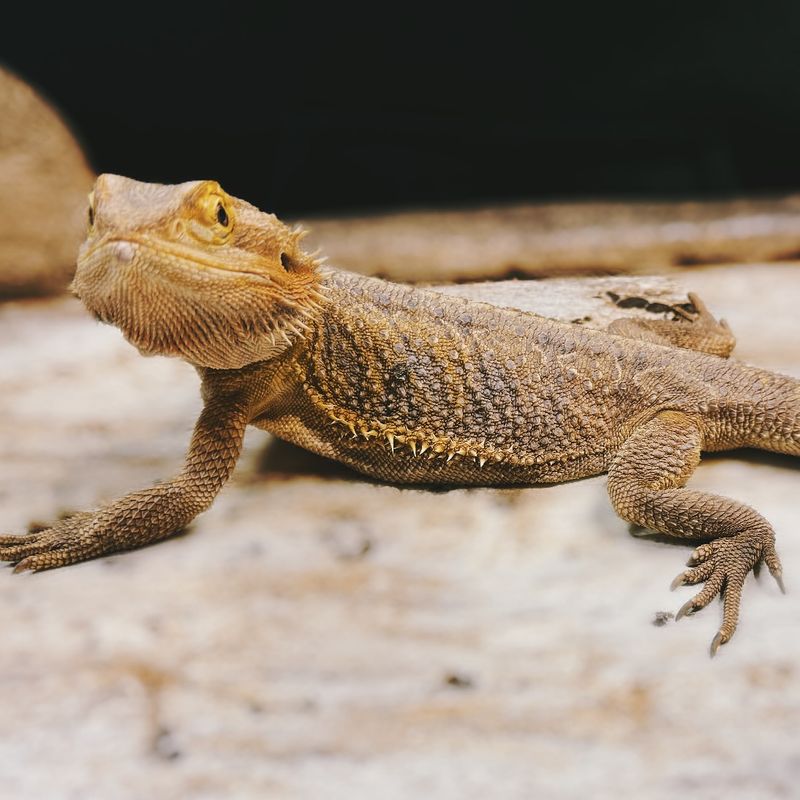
x: 123, y: 250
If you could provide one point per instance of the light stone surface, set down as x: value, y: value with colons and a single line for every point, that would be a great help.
x: 316, y: 635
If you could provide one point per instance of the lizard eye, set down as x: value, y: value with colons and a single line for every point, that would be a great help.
x: 91, y: 210
x: 222, y: 215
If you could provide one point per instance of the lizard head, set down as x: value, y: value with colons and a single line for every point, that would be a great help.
x: 188, y: 270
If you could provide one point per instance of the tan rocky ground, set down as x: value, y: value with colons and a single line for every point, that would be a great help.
x: 319, y: 636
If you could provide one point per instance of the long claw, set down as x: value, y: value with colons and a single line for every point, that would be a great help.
x: 715, y: 643
x: 779, y: 580
x: 23, y: 566
x: 678, y: 580
x: 686, y: 609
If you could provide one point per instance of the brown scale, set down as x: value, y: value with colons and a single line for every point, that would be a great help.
x: 481, y: 384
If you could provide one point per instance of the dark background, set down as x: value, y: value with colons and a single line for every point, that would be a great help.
x: 305, y: 110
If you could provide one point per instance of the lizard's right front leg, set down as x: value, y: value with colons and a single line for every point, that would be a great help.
x: 147, y: 515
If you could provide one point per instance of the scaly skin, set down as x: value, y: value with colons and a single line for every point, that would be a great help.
x: 412, y: 386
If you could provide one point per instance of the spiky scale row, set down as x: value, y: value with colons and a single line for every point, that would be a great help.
x: 418, y: 442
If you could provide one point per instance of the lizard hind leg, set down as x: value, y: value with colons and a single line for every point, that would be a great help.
x: 698, y: 331
x: 646, y: 484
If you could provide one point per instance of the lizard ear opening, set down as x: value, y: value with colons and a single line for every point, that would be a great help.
x: 288, y: 263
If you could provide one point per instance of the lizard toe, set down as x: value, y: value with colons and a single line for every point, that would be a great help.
x: 773, y: 562
x: 689, y: 577
x: 700, y: 554
x: 14, y: 539
x: 724, y: 565
x: 42, y: 561
x: 64, y: 543
x: 15, y: 548
x: 712, y: 588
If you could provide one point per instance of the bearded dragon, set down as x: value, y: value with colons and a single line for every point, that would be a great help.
x: 412, y: 386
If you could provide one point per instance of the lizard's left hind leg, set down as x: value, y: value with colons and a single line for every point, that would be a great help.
x: 645, y: 483
x: 698, y: 331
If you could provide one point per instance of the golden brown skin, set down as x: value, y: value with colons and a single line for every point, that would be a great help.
x: 412, y: 386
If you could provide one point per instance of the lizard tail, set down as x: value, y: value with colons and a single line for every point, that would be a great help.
x: 771, y: 412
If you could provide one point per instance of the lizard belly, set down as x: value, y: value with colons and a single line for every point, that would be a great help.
x: 402, y: 465
x: 397, y: 457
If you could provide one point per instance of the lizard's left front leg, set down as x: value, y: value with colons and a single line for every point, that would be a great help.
x: 147, y: 515
x: 645, y: 483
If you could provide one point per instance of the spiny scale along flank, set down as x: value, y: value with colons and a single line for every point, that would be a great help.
x: 419, y: 442
x: 413, y: 386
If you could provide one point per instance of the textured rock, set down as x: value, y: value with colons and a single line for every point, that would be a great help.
x: 318, y: 635
x: 45, y: 181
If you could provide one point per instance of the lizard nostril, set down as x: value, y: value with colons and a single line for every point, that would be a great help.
x: 124, y: 251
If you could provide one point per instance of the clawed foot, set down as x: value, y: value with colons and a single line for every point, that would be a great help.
x: 723, y: 565
x: 701, y: 315
x: 69, y: 540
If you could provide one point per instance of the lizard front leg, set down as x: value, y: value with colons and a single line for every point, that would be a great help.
x: 645, y: 483
x: 147, y: 515
x: 699, y: 331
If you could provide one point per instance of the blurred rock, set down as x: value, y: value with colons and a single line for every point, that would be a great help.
x: 45, y: 179
x: 555, y: 239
